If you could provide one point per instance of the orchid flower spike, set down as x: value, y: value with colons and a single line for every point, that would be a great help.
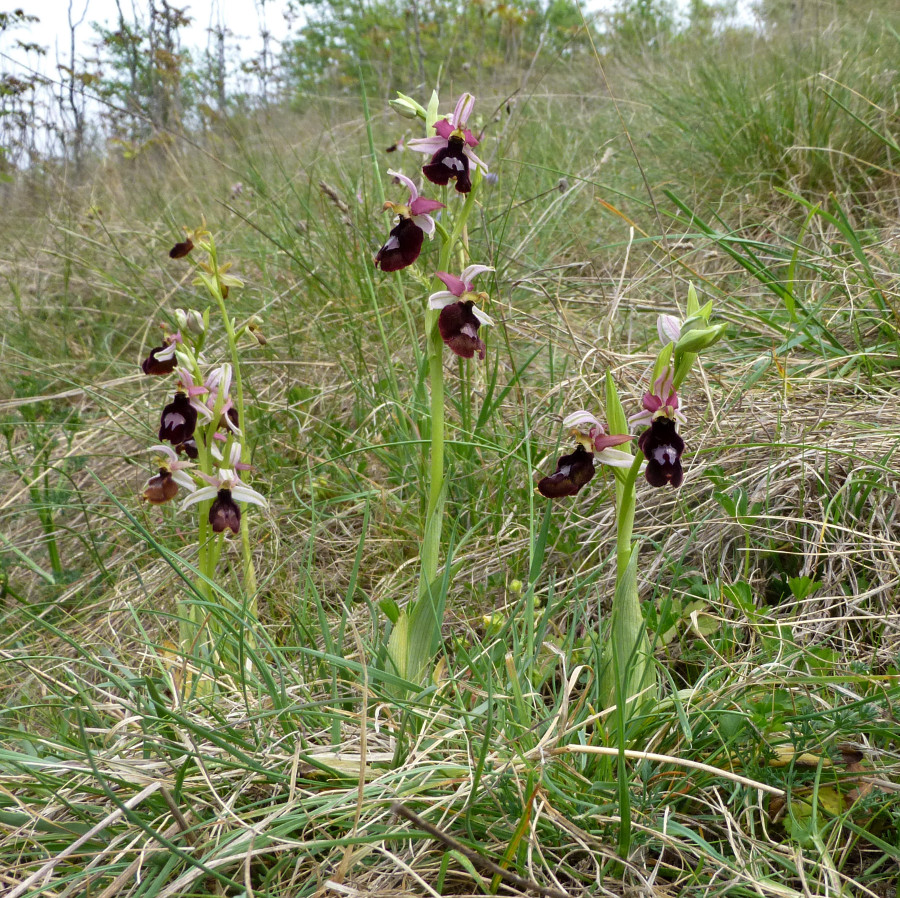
x: 226, y: 490
x: 405, y: 240
x: 451, y: 150
x: 163, y: 487
x: 460, y: 317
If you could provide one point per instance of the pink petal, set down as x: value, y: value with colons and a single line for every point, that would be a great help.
x: 410, y: 186
x: 669, y: 329
x: 443, y: 128
x: 469, y: 274
x: 455, y: 285
x: 582, y: 416
x: 651, y: 402
x: 422, y: 206
x: 464, y: 106
x: 471, y: 140
x: 604, y: 441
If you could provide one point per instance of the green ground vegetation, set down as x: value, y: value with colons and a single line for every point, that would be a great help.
x: 761, y: 166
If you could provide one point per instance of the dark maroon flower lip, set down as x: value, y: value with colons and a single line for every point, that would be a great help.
x: 225, y: 514
x: 458, y: 327
x: 402, y: 248
x: 178, y: 420
x: 662, y: 447
x: 180, y: 250
x: 572, y: 473
x: 154, y: 365
x: 450, y: 163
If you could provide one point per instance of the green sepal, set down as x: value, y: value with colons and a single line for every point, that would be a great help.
x: 693, y: 303
x: 431, y: 113
x: 662, y: 361
x: 698, y: 339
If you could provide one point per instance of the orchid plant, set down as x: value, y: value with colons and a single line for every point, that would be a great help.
x: 202, y: 431
x: 629, y: 675
x: 452, y: 317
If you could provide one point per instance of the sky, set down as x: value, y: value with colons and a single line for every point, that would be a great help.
x: 244, y: 18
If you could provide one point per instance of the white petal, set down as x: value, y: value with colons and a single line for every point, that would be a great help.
x: 442, y: 298
x: 470, y: 273
x: 206, y: 492
x: 425, y: 222
x: 243, y: 493
x: 582, y: 416
x: 164, y: 450
x: 475, y: 159
x: 669, y: 329
x: 428, y: 145
x: 616, y: 458
x: 481, y: 316
x: 185, y: 480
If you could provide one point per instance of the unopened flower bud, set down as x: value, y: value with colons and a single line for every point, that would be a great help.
x: 407, y: 106
x: 669, y: 329
x: 515, y: 587
x: 190, y: 320
x: 699, y: 338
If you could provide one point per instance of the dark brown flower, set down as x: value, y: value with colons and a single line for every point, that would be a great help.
x: 178, y: 420
x: 450, y: 162
x: 662, y: 447
x: 153, y: 364
x: 225, y: 514
x: 402, y: 248
x: 572, y: 473
x: 160, y: 489
x: 458, y: 327
x: 180, y: 250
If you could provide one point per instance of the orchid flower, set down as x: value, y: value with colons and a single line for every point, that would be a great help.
x: 577, y: 469
x: 219, y: 380
x: 178, y: 420
x: 598, y: 441
x: 660, y: 443
x: 405, y: 240
x: 162, y: 358
x: 194, y: 392
x: 572, y: 473
x: 234, y: 457
x: 661, y: 401
x: 226, y: 490
x: 451, y: 150
x: 163, y: 487
x: 460, y: 318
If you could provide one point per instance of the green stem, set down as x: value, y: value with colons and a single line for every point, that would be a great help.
x: 625, y: 516
x: 249, y: 577
x: 431, y: 545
